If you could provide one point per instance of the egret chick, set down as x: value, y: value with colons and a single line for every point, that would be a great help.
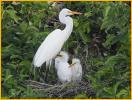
x: 76, y: 69
x: 64, y: 72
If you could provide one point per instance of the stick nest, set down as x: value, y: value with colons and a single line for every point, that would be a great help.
x: 67, y: 90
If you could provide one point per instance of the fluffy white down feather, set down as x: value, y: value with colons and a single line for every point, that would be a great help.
x: 76, y: 70
x: 64, y: 72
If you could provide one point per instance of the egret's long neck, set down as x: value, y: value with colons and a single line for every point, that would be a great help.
x: 69, y: 25
x: 68, y: 21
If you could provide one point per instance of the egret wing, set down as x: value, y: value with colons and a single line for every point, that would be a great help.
x: 49, y: 48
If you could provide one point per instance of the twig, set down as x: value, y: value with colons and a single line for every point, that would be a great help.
x: 67, y: 90
x: 35, y: 82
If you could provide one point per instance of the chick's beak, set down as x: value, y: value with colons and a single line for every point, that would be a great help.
x: 74, y: 12
x: 72, y: 65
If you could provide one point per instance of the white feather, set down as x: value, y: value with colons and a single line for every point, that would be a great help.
x: 53, y: 43
x: 64, y: 72
x: 76, y: 70
x: 62, y: 67
x: 49, y: 48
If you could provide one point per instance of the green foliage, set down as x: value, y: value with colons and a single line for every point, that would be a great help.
x: 100, y: 38
x: 81, y: 96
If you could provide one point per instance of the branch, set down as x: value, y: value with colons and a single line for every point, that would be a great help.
x: 67, y: 90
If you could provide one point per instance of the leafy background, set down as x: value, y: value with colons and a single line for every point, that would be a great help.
x: 100, y: 38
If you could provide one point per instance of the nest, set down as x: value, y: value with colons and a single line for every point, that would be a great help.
x: 66, y: 90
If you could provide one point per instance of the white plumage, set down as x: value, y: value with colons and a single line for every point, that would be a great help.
x: 76, y: 70
x: 53, y: 43
x: 49, y: 48
x: 64, y: 72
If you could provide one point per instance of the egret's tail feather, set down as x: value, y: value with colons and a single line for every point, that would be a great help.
x: 34, y: 64
x: 49, y: 63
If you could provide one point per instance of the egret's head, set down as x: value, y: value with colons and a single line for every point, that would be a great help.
x: 75, y: 61
x: 67, y: 12
x: 64, y: 13
x: 63, y: 56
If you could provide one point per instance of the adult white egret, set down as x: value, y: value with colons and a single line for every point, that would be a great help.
x: 53, y: 43
x: 64, y: 72
x: 76, y: 69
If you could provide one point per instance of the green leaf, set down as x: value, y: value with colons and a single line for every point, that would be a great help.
x: 75, y: 22
x: 8, y: 77
x: 88, y: 14
x: 81, y: 96
x: 12, y: 14
x: 107, y: 9
x: 15, y: 56
x: 115, y: 87
x: 108, y: 90
x: 110, y: 40
x: 83, y: 31
x: 25, y: 63
x: 32, y: 29
x: 115, y: 59
x: 23, y: 26
x: 122, y: 93
x: 103, y: 71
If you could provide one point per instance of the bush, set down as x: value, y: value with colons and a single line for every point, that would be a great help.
x: 100, y: 38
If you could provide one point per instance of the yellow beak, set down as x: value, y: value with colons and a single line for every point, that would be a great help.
x: 74, y: 12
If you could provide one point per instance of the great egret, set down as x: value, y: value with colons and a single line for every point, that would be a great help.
x: 64, y: 72
x: 76, y: 69
x: 53, y: 43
